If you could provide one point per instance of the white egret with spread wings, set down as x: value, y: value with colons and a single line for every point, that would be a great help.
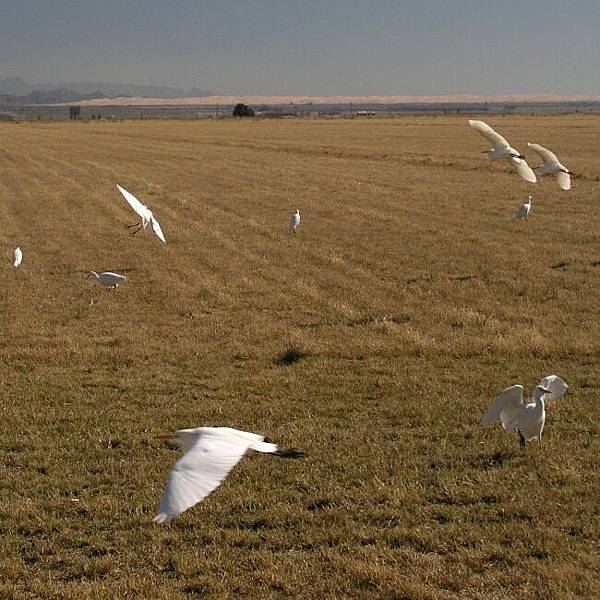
x: 209, y: 454
x: 145, y: 214
x: 527, y: 419
x: 501, y: 149
x: 552, y: 166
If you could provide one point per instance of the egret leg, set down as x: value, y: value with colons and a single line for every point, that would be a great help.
x: 139, y: 226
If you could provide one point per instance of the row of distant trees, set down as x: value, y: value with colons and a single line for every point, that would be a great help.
x: 240, y: 110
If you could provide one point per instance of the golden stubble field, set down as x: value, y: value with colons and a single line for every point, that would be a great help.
x: 414, y: 298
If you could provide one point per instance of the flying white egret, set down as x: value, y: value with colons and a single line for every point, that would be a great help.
x: 17, y: 257
x: 209, y: 454
x: 502, y: 149
x: 108, y: 279
x: 294, y: 221
x: 145, y: 214
x: 552, y: 166
x: 523, y: 210
x: 526, y: 419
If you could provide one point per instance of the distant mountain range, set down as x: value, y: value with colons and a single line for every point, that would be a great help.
x: 14, y: 90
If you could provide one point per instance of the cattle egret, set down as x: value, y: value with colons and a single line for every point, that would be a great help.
x: 502, y: 149
x: 552, y: 166
x: 294, y: 221
x: 108, y: 279
x: 523, y: 210
x: 17, y: 257
x: 526, y: 419
x: 209, y: 454
x: 145, y: 214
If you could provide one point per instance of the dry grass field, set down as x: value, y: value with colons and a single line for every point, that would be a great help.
x: 412, y: 297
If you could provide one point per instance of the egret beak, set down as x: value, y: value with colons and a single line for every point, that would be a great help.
x: 545, y: 390
x: 168, y: 436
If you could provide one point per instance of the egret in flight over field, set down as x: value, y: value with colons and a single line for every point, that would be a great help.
x: 145, y: 214
x: 209, y: 454
x: 108, y: 279
x: 294, y: 221
x: 17, y: 257
x: 502, y: 149
x: 526, y: 419
x: 552, y: 166
x: 523, y: 210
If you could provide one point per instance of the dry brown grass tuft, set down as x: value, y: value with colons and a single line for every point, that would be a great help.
x: 414, y: 298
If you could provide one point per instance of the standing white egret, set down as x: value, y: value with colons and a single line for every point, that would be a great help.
x: 501, y: 149
x: 108, y: 279
x: 294, y: 221
x: 526, y: 419
x: 552, y: 166
x: 209, y: 454
x: 17, y: 257
x: 145, y: 214
x: 523, y: 210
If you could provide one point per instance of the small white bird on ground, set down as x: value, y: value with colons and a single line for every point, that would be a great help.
x: 502, y: 149
x: 526, y: 419
x: 108, y: 279
x: 294, y: 221
x: 17, y: 257
x: 523, y: 210
x: 209, y: 454
x: 552, y: 166
x: 145, y: 214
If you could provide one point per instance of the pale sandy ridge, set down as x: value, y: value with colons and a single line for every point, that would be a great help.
x: 275, y: 100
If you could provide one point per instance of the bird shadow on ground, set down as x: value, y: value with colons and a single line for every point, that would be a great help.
x: 290, y: 356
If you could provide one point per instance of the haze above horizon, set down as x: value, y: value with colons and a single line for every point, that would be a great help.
x: 341, y: 48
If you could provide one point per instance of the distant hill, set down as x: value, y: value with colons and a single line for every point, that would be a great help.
x: 72, y: 91
x: 58, y: 96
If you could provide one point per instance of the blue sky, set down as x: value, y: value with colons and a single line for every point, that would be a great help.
x: 335, y: 47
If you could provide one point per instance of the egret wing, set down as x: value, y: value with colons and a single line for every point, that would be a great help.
x: 555, y: 384
x: 508, y: 400
x: 137, y: 206
x: 489, y: 134
x: 157, y: 230
x: 246, y: 435
x: 564, y: 180
x: 199, y: 472
x: 523, y: 169
x: 546, y: 155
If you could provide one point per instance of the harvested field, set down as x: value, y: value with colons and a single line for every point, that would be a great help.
x: 373, y: 340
